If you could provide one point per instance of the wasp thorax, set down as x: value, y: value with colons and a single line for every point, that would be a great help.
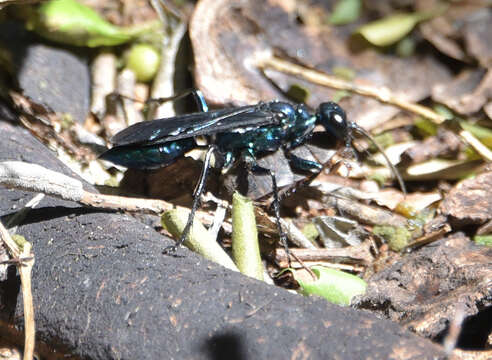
x: 285, y: 110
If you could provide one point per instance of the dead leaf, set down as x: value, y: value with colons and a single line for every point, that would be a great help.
x: 469, y: 202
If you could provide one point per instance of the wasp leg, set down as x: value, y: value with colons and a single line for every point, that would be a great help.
x: 197, y: 96
x: 197, y: 193
x: 259, y: 170
x: 303, y: 164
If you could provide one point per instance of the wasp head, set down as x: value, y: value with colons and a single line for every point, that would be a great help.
x: 333, y: 118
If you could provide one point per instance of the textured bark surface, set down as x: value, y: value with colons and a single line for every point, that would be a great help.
x: 426, y: 289
x: 469, y: 203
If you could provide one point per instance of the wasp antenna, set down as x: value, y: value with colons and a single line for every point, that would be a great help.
x: 394, y: 170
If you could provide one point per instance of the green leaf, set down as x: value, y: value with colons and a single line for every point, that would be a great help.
x: 483, y: 240
x: 384, y: 140
x: 245, y: 247
x: 69, y: 22
x: 198, y: 239
x: 345, y: 12
x: 391, y: 29
x: 379, y: 177
x: 335, y: 286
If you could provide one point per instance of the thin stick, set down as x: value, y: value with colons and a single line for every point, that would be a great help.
x: 382, y: 94
x: 428, y: 238
x: 476, y: 144
x: 25, y: 262
x: 103, y: 79
x: 163, y: 85
x: 36, y: 178
x: 308, y: 269
x: 359, y: 254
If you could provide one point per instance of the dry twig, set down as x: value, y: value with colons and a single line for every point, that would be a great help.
x: 24, y: 260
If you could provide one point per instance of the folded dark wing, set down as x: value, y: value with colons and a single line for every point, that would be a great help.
x: 196, y: 124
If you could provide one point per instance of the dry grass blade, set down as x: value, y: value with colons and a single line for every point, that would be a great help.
x: 24, y: 260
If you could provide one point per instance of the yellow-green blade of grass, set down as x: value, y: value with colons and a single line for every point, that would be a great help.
x: 245, y: 247
x: 336, y: 286
x: 198, y: 240
x: 391, y: 29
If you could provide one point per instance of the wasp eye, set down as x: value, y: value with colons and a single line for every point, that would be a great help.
x: 338, y: 118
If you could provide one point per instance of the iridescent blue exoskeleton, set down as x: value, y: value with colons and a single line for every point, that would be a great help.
x: 240, y: 134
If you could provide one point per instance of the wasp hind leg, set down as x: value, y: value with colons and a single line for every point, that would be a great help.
x: 172, y: 250
x: 256, y: 169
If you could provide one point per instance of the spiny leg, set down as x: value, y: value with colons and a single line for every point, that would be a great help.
x: 197, y: 96
x: 257, y: 169
x: 197, y: 193
x: 308, y: 165
x: 312, y: 166
x: 304, y: 165
x: 196, y: 202
x: 301, y: 164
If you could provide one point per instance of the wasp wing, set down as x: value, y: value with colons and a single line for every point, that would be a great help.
x: 196, y: 124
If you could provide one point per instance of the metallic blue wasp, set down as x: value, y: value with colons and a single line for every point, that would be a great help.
x: 239, y: 134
